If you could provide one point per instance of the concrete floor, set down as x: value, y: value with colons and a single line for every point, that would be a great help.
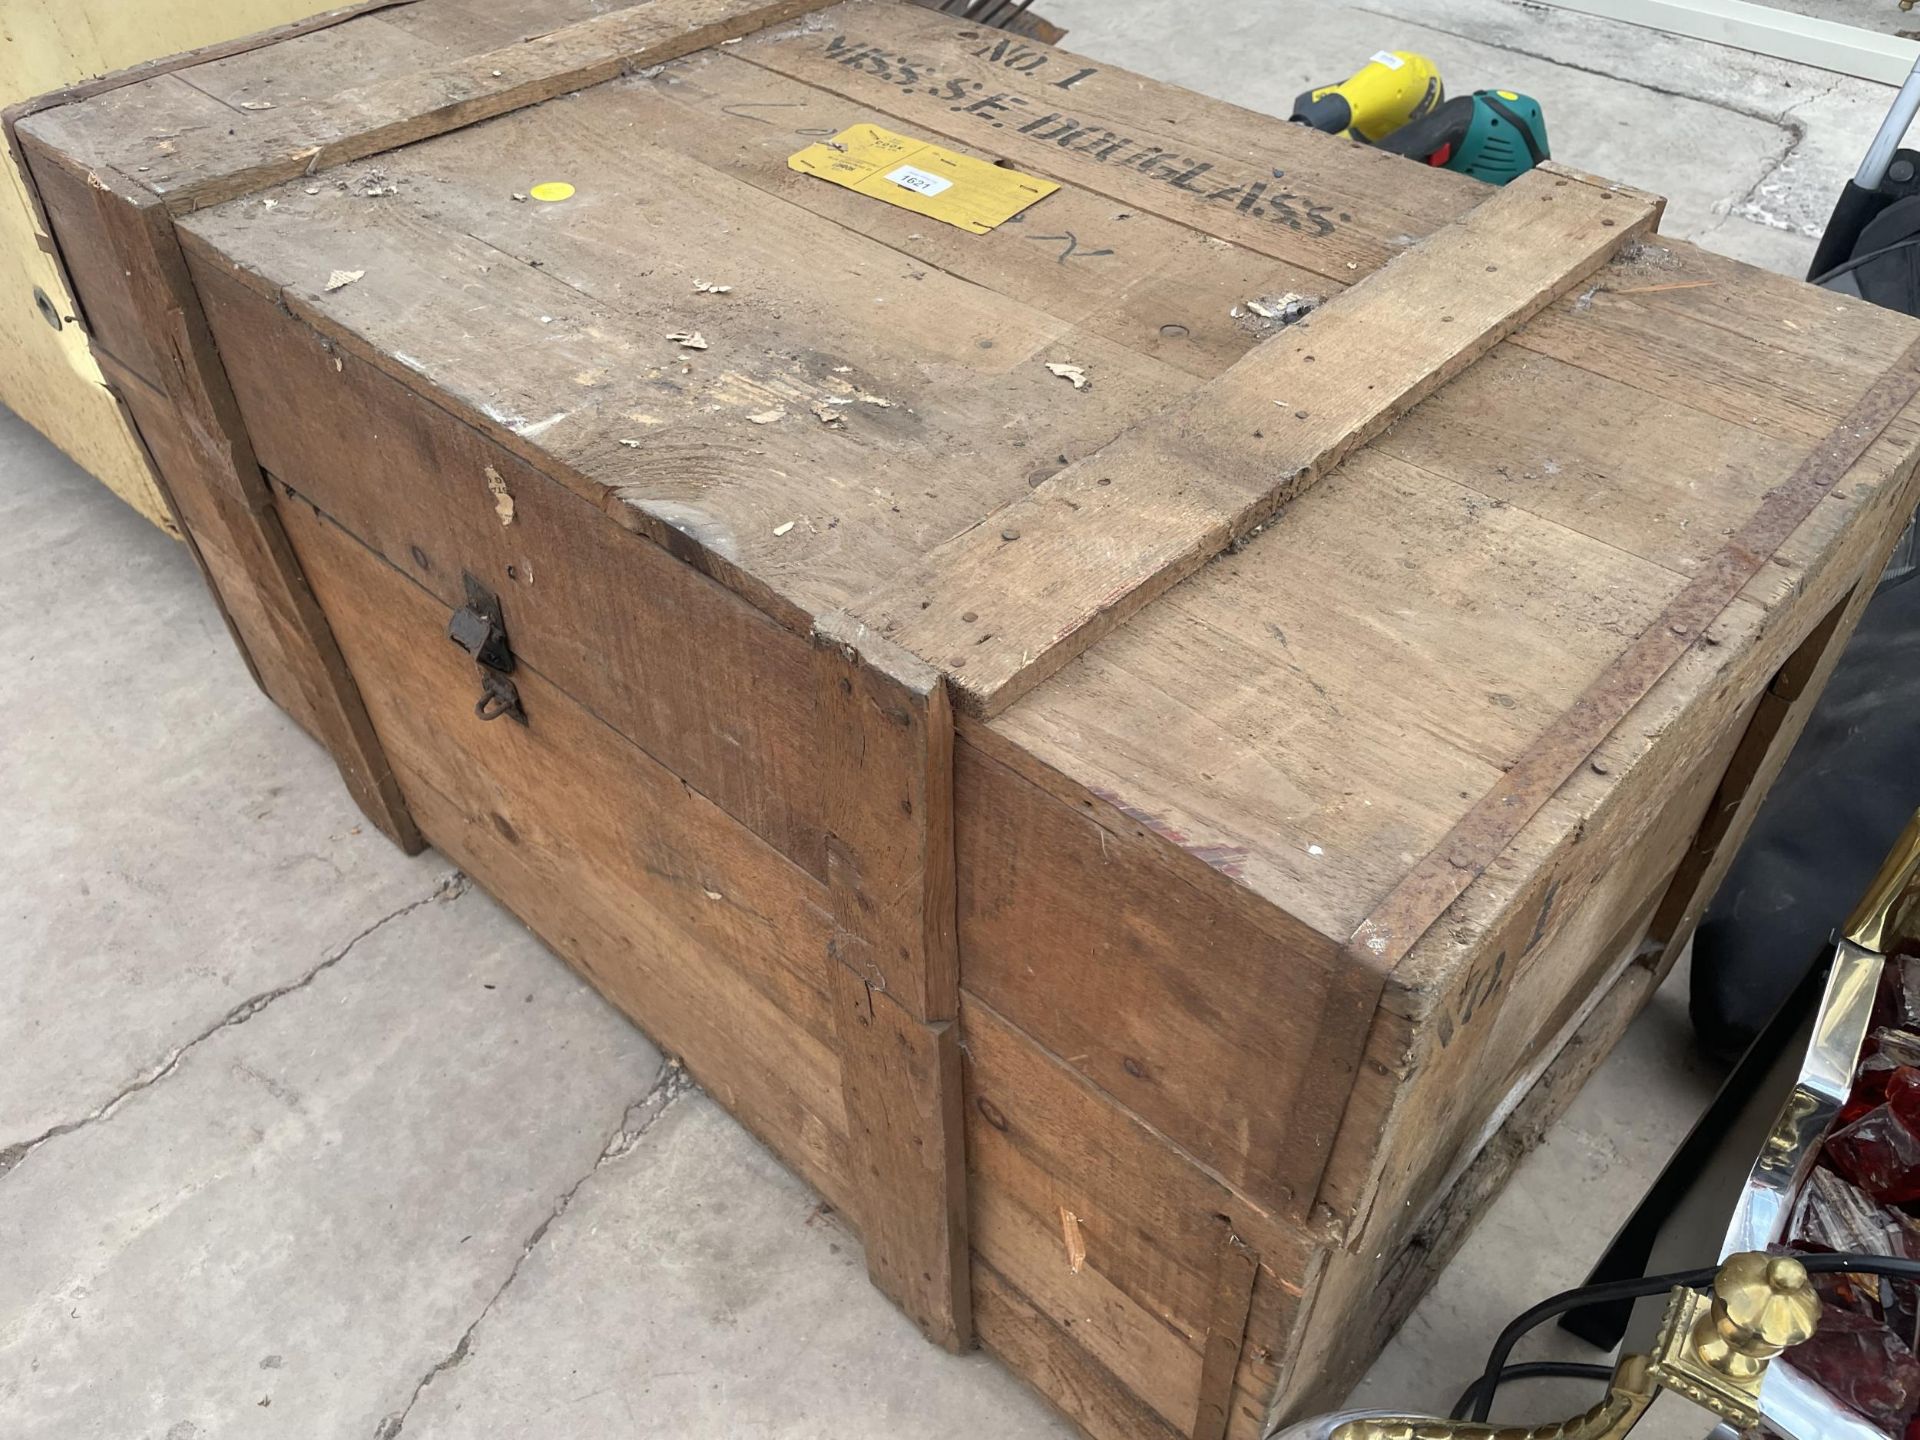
x: 1884, y: 17
x: 301, y: 1137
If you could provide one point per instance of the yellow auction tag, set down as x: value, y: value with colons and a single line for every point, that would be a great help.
x: 922, y: 178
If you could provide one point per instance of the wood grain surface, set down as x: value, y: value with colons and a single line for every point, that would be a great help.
x: 1009, y: 602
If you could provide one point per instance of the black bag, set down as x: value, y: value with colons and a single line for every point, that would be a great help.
x: 1850, y: 786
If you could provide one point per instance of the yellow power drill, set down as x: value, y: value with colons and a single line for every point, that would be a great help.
x: 1392, y: 88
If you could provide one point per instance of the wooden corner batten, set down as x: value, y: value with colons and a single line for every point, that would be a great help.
x: 885, y: 731
x: 174, y: 387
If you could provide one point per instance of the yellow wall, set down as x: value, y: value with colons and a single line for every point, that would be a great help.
x: 46, y: 376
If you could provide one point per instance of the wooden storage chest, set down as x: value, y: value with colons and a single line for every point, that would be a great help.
x: 47, y: 377
x: 1143, y: 804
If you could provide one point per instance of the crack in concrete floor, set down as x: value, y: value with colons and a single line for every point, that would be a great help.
x: 669, y: 1085
x: 450, y: 887
x: 1747, y: 206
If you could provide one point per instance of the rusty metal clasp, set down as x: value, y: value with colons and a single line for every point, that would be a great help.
x: 479, y: 627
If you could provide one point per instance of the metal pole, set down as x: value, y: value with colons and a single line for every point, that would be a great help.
x: 1893, y: 129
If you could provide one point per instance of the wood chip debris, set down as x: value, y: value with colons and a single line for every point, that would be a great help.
x: 340, y: 279
x: 767, y: 417
x: 688, y: 339
x: 829, y: 413
x: 1283, y: 309
x: 1264, y: 314
x: 631, y: 444
x: 707, y: 287
x: 373, y: 183
x: 1076, y: 373
x: 1076, y: 1242
x: 256, y: 104
x: 783, y: 529
x: 502, y: 501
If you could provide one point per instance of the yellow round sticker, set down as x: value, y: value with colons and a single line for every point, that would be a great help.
x: 552, y: 190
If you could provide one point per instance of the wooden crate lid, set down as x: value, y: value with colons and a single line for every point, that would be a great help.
x: 1337, y: 702
x: 682, y: 173
x: 1318, y: 710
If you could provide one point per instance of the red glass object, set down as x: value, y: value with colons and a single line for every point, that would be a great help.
x: 1880, y: 1152
x: 1903, y: 1094
x: 1835, y: 1216
x: 1863, y: 1365
x: 1886, y: 1053
x: 1863, y: 1354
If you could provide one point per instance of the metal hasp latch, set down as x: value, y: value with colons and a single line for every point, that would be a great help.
x: 479, y: 629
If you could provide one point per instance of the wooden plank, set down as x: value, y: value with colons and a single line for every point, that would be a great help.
x: 886, y: 751
x: 672, y: 660
x: 1159, y: 287
x: 1160, y: 1364
x: 699, y: 931
x: 1040, y: 1141
x: 900, y: 1083
x: 1272, y: 1347
x: 1326, y: 701
x: 568, y: 785
x: 1491, y: 983
x: 464, y: 28
x: 1245, y: 744
x: 1009, y: 602
x: 1093, y: 941
x: 1226, y: 1328
x: 1715, y: 335
x: 271, y: 38
x: 1646, y: 473
x: 1779, y: 720
x: 1048, y: 1358
x: 216, y: 483
x: 122, y: 384
x: 1335, y: 208
x: 1453, y: 1039
x: 1498, y: 816
x: 263, y: 147
x: 573, y: 371
x: 885, y: 738
x: 1483, y: 992
x: 105, y: 301
x: 1368, y: 1293
x: 308, y: 69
